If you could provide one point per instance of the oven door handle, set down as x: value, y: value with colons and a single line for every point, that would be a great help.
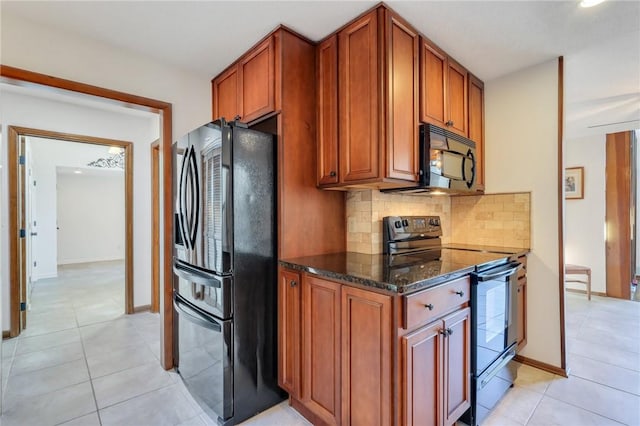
x: 196, y: 317
x: 497, y: 273
x: 195, y: 275
x: 506, y: 357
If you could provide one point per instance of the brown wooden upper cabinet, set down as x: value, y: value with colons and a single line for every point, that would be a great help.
x: 443, y: 89
x: 247, y: 88
x: 476, y: 124
x: 368, y: 103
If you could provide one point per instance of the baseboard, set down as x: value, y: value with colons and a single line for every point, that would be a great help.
x: 44, y: 276
x: 6, y: 334
x: 541, y: 365
x: 593, y: 293
x: 141, y: 308
x: 89, y: 260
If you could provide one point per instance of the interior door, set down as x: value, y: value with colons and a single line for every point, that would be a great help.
x: 32, y: 226
x: 619, y: 147
x: 22, y: 218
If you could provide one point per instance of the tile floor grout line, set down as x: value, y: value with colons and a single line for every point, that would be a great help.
x: 606, y: 385
x: 608, y: 363
x: 137, y: 396
x: 585, y: 409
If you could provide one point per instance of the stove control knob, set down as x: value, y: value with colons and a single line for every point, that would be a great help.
x: 434, y: 222
x: 405, y: 222
x: 398, y: 224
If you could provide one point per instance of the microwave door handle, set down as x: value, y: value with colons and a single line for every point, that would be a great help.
x: 469, y: 157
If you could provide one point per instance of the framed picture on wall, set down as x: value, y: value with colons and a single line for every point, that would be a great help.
x: 574, y: 183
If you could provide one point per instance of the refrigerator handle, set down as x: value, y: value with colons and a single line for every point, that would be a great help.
x: 182, y: 200
x: 194, y: 274
x: 195, y: 316
x: 194, y: 182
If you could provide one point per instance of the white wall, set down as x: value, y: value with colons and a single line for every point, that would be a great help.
x: 27, y: 111
x: 91, y: 217
x: 522, y: 155
x: 584, y: 219
x: 51, y: 51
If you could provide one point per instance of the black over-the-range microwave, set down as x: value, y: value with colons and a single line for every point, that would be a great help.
x: 447, y: 163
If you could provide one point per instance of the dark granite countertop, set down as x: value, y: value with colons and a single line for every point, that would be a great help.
x: 416, y: 273
x: 511, y: 251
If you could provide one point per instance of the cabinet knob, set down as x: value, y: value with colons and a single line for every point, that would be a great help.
x: 332, y: 174
x: 429, y: 307
x: 460, y: 293
x: 293, y: 283
x: 449, y: 331
x: 449, y: 123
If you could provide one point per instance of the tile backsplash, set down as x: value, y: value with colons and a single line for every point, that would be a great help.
x: 496, y: 220
x: 366, y: 208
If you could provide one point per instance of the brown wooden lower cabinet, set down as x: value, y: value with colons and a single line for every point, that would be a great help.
x: 366, y: 358
x: 436, y: 371
x: 321, y: 348
x: 522, y: 304
x: 356, y: 367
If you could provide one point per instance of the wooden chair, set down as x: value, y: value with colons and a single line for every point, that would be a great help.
x: 578, y: 270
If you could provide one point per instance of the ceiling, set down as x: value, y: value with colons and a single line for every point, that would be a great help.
x: 491, y: 38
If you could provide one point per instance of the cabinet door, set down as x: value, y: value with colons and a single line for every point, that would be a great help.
x: 522, y: 312
x: 289, y: 319
x: 226, y: 95
x: 457, y: 365
x: 359, y: 107
x: 433, y: 72
x: 402, y: 112
x: 257, y: 81
x: 476, y: 123
x: 327, y: 60
x: 456, y: 98
x: 321, y: 348
x: 366, y: 358
x: 422, y: 369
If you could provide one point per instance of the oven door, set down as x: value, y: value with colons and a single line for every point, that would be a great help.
x: 205, y: 358
x: 494, y: 319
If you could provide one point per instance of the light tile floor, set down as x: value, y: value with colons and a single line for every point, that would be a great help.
x: 82, y: 362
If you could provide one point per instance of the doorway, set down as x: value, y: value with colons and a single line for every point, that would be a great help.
x: 18, y: 213
x: 164, y: 110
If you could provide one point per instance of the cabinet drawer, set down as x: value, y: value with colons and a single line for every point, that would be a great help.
x: 432, y: 303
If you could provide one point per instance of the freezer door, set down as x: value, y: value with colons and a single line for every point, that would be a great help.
x: 205, y: 359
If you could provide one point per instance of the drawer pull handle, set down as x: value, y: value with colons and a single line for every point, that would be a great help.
x: 429, y: 307
x: 460, y: 293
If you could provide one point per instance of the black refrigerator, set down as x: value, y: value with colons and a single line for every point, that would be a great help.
x: 225, y: 270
